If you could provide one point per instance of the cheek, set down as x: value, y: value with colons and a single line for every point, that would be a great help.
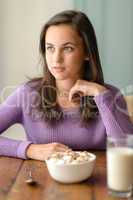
x: 47, y: 58
x: 78, y: 57
x: 48, y: 62
x: 76, y: 61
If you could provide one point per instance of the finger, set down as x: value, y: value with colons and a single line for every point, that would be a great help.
x: 76, y: 96
x: 63, y: 146
x: 59, y: 149
x: 70, y: 95
x: 56, y: 144
x: 73, y: 92
x: 63, y: 149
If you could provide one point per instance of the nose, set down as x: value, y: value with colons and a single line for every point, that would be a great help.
x: 57, y: 57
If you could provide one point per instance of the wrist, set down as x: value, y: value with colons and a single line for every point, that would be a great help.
x: 30, y: 150
x: 100, y: 90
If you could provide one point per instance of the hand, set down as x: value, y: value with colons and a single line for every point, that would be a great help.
x: 85, y: 88
x: 43, y: 151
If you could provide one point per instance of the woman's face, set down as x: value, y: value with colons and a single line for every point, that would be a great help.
x: 65, y: 52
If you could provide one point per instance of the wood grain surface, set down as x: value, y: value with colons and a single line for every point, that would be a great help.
x: 14, y: 172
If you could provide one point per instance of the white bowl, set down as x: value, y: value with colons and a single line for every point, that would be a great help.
x: 71, y: 173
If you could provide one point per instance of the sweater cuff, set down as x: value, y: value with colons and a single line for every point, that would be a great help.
x: 103, y: 98
x: 21, y: 151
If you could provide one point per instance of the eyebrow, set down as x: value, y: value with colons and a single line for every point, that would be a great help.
x: 64, y: 44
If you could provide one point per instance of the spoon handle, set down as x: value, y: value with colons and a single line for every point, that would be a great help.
x: 30, y: 174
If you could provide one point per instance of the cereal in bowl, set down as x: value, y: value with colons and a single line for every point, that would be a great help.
x: 70, y: 157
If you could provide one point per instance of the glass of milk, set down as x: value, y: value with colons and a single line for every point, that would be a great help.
x: 120, y: 166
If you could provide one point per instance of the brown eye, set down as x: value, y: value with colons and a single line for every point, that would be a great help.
x: 68, y: 49
x: 49, y: 48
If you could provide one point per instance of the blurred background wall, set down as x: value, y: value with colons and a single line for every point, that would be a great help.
x: 112, y: 20
x: 20, y: 26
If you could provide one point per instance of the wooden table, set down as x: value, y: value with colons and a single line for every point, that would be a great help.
x: 13, y: 173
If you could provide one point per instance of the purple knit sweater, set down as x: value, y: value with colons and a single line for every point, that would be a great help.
x: 20, y: 107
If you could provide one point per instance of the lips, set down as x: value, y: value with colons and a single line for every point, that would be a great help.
x: 58, y: 69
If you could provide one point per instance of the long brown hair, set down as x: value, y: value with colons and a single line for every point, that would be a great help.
x: 92, y: 68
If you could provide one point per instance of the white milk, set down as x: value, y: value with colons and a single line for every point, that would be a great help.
x: 120, y: 168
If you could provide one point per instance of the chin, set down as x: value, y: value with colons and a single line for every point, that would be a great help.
x: 60, y: 77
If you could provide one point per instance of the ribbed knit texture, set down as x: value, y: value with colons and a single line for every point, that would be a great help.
x: 112, y: 120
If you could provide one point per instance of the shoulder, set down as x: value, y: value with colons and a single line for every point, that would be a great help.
x: 31, y: 85
x: 32, y: 90
x: 25, y: 90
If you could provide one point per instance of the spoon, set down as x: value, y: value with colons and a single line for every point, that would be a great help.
x: 30, y: 180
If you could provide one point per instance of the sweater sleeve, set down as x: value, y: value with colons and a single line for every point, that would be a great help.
x: 113, y: 111
x: 11, y: 113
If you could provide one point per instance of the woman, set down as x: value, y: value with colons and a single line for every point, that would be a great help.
x: 70, y: 107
